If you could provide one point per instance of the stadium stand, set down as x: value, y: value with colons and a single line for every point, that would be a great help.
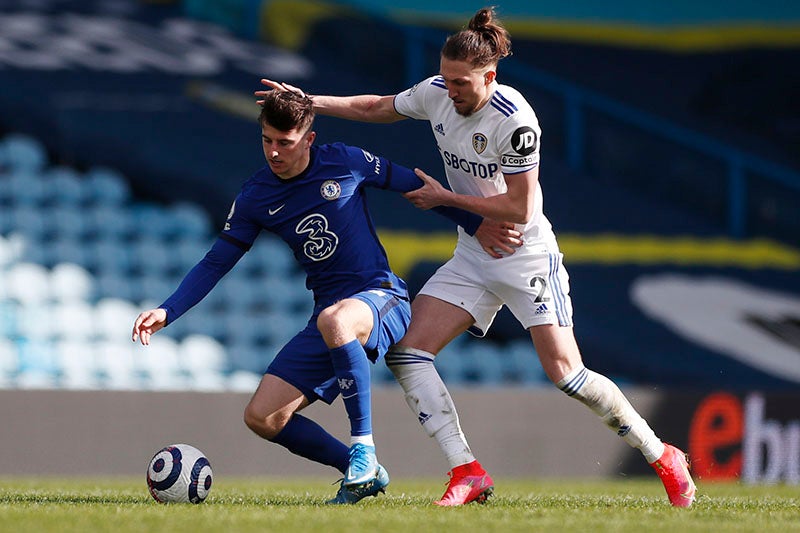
x: 75, y: 193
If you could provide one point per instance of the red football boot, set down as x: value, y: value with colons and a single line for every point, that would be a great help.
x: 673, y: 469
x: 468, y: 483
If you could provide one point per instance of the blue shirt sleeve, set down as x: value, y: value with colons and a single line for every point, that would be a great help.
x: 380, y: 172
x: 222, y: 256
x: 405, y: 180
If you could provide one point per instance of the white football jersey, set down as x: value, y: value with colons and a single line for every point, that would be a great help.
x: 500, y: 138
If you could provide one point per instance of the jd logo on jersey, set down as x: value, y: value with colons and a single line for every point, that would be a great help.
x: 524, y: 140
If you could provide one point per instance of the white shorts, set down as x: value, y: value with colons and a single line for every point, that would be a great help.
x: 532, y: 283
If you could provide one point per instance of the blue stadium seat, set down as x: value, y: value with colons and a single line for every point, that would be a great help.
x: 112, y: 222
x: 64, y: 186
x: 272, y: 256
x: 29, y: 221
x: 524, y: 363
x: 28, y: 283
x: 66, y: 251
x: 70, y: 283
x: 190, y: 221
x: 24, y: 153
x: 188, y: 251
x: 106, y: 187
x: 249, y: 356
x: 151, y: 255
x: 243, y: 381
x: 68, y: 221
x: 24, y: 187
x: 78, y: 365
x: 109, y: 257
x: 9, y: 360
x: 117, y: 363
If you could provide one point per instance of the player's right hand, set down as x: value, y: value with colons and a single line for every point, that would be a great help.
x: 277, y: 86
x: 147, y: 323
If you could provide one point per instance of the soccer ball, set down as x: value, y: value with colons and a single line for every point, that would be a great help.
x: 179, y: 474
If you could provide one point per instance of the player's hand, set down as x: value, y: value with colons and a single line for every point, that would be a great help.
x: 147, y: 323
x: 430, y: 195
x: 277, y: 86
x: 498, y: 239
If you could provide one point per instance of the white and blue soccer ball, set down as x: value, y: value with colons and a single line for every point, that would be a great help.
x: 179, y: 474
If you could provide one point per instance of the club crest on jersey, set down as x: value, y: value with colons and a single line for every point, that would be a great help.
x: 479, y: 142
x: 330, y: 190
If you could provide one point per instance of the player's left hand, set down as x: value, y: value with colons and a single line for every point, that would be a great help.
x: 498, y: 239
x: 430, y: 195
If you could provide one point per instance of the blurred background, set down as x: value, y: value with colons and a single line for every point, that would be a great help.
x: 670, y: 170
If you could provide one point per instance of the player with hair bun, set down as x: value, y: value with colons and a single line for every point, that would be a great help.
x: 313, y: 198
x: 489, y: 139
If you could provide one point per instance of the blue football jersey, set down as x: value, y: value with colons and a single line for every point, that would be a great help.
x: 322, y: 215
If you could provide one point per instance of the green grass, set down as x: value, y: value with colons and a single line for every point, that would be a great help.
x: 289, y: 505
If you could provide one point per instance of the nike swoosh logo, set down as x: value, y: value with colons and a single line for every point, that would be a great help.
x: 348, y: 397
x: 273, y: 211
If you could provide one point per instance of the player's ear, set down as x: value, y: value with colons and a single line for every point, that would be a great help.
x: 310, y: 138
x: 490, y: 76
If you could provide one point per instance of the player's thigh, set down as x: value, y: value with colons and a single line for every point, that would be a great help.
x: 434, y: 323
x: 391, y: 315
x: 275, y: 397
x: 557, y: 349
x: 347, y: 319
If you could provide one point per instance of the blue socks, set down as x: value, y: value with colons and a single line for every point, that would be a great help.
x: 306, y: 438
x: 351, y: 366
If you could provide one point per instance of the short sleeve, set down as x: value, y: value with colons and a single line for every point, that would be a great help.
x: 519, y: 143
x: 411, y: 102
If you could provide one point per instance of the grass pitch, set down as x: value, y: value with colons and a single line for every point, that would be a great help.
x: 289, y: 505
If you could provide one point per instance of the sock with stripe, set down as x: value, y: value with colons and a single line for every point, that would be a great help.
x: 429, y: 399
x: 605, y: 399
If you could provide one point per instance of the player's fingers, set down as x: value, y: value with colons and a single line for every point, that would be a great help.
x: 270, y: 83
x: 491, y: 251
x: 293, y: 89
x: 421, y: 175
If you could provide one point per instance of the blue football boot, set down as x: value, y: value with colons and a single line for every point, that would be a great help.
x: 356, y: 493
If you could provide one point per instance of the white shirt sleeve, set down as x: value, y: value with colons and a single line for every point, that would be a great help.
x: 411, y: 102
x: 518, y: 142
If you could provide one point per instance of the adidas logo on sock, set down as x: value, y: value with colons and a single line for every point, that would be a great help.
x: 423, y: 417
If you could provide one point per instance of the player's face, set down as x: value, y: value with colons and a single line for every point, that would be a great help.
x: 287, y: 152
x: 467, y: 87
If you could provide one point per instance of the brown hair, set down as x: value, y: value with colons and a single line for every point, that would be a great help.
x: 483, y: 42
x: 286, y: 110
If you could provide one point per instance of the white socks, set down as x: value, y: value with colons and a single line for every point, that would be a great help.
x: 428, y: 397
x: 366, y: 440
x: 603, y: 397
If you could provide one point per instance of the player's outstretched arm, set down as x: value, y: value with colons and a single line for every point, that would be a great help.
x: 363, y: 107
x: 147, y: 323
x: 515, y: 205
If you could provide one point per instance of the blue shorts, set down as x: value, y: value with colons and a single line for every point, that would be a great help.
x: 305, y: 361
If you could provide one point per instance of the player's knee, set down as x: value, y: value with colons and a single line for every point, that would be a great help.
x: 331, y: 324
x: 265, y: 426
